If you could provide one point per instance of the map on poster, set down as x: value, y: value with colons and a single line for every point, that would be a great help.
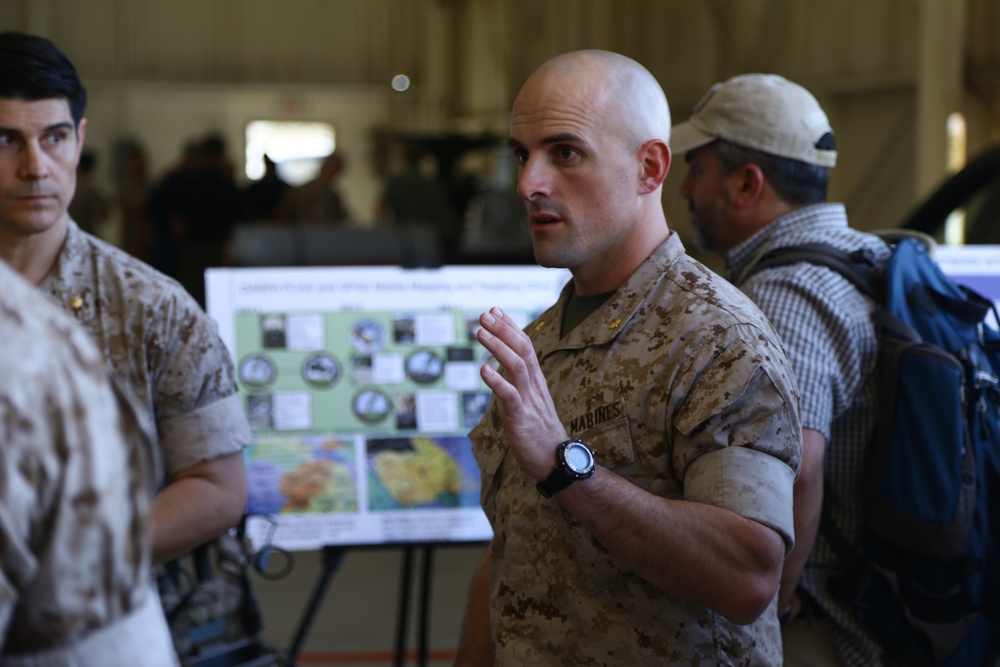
x: 361, y: 385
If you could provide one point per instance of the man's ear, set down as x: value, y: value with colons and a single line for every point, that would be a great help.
x: 654, y: 160
x: 746, y: 185
x: 81, y: 132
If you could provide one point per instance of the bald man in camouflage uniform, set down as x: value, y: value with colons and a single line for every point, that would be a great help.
x: 668, y: 549
x: 74, y: 501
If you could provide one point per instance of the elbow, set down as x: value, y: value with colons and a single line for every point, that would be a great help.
x: 233, y: 513
x: 753, y: 590
x: 235, y: 505
x: 750, y: 599
x: 226, y: 494
x: 230, y: 480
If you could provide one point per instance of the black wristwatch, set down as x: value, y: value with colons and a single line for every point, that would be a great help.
x: 574, y: 461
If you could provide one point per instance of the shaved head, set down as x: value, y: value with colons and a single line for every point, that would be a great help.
x: 619, y: 95
x: 590, y: 132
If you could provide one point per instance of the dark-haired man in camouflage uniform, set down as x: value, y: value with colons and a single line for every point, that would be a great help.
x: 162, y: 348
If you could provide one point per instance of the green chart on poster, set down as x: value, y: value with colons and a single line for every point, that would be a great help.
x: 360, y: 385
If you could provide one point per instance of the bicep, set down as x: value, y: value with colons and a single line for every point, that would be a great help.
x: 226, y: 472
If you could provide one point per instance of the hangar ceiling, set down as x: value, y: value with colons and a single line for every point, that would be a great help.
x: 888, y: 71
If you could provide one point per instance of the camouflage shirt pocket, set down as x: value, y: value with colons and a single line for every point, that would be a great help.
x: 611, y: 440
x: 612, y: 445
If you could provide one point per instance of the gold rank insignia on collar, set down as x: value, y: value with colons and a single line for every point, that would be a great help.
x: 538, y: 327
x: 76, y: 302
x: 615, y: 323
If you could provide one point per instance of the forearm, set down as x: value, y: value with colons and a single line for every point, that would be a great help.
x: 808, y: 499
x: 197, y: 506
x: 697, y: 552
x: 703, y: 554
x: 475, y: 648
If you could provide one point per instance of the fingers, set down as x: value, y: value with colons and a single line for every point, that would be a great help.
x: 510, y: 346
x: 504, y: 390
x: 530, y: 420
x: 495, y: 332
x: 501, y: 325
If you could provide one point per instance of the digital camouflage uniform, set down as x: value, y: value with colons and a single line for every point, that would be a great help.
x: 74, y: 501
x: 678, y: 384
x: 161, y: 346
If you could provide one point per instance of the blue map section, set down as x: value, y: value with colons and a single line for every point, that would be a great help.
x: 301, y: 475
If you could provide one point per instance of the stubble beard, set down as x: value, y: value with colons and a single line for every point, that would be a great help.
x: 703, y: 239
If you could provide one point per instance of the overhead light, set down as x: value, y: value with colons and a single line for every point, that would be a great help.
x: 400, y: 82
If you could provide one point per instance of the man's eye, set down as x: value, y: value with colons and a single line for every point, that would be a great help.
x: 520, y: 156
x: 566, y: 153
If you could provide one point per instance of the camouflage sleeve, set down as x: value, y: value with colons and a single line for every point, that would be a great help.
x: 740, y: 441
x: 199, y: 415
x: 205, y: 434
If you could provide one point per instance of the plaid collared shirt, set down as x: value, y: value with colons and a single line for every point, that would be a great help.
x: 826, y: 326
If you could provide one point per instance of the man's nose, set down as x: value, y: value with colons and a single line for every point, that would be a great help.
x: 33, y: 164
x: 686, y: 186
x: 534, y: 180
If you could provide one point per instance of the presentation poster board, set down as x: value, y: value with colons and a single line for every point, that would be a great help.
x: 361, y: 385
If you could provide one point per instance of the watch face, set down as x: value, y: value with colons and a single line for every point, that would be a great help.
x: 578, y: 457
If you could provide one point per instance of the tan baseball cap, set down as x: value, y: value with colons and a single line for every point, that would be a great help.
x: 765, y: 112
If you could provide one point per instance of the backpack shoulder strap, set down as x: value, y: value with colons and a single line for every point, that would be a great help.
x: 859, y: 267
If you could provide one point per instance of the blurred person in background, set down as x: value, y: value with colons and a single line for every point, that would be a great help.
x: 318, y: 200
x: 90, y: 207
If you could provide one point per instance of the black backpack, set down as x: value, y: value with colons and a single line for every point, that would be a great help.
x: 928, y: 579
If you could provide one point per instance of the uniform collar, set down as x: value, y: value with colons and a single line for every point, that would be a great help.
x: 63, y: 281
x: 605, y: 323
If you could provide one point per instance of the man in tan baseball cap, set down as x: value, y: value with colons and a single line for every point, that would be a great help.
x: 765, y: 112
x: 759, y: 149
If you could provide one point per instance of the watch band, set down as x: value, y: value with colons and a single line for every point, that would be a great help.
x: 557, y: 480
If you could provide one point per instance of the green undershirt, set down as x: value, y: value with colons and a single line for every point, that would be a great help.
x: 579, y: 307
